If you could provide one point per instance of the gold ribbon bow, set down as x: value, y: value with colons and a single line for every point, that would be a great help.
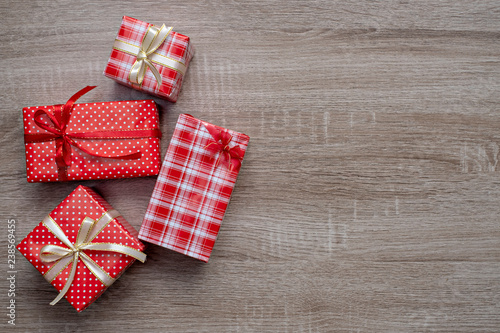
x: 146, y: 55
x: 153, y: 38
x: 63, y: 256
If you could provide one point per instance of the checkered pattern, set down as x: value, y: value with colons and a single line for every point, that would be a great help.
x: 191, y: 193
x: 176, y: 46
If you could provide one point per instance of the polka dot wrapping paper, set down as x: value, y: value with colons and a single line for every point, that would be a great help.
x: 176, y: 49
x: 104, y: 117
x: 86, y: 287
x: 194, y: 187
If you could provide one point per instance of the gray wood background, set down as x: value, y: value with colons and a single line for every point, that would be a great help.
x: 369, y: 197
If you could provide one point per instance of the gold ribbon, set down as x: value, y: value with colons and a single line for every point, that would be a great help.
x: 63, y: 256
x: 151, y: 41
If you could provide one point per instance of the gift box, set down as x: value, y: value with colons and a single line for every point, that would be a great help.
x: 91, y: 140
x: 82, y: 247
x: 149, y: 58
x: 194, y: 187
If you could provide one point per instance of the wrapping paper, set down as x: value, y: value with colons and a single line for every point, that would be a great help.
x: 81, y: 203
x: 176, y: 48
x: 104, y: 117
x: 193, y: 188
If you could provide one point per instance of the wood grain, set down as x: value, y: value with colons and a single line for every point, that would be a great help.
x: 368, y: 198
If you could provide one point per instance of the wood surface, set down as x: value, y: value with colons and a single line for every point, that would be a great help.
x: 368, y: 200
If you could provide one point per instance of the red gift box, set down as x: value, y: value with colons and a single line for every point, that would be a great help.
x: 91, y: 140
x: 194, y: 187
x: 82, y: 247
x: 149, y: 58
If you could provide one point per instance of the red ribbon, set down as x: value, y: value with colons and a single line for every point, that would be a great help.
x: 64, y: 141
x: 230, y: 156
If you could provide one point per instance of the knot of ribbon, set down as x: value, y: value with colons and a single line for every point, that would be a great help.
x: 228, y: 156
x: 73, y: 252
x: 152, y: 40
x: 57, y: 128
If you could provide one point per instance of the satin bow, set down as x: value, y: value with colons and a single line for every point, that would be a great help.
x: 72, y: 253
x: 228, y: 156
x: 152, y: 40
x: 57, y: 128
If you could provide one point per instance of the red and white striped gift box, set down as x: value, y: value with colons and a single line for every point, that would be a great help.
x: 194, y: 187
x: 176, y: 49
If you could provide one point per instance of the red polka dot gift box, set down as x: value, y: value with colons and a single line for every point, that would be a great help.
x: 194, y: 187
x: 82, y: 247
x: 84, y: 141
x: 153, y: 59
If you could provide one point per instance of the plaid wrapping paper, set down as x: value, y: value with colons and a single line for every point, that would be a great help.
x: 41, y: 163
x: 86, y: 288
x: 176, y: 46
x: 192, y: 192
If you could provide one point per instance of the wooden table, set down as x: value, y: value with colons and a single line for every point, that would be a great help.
x: 368, y: 200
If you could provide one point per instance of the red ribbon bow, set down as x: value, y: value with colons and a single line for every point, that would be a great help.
x: 230, y: 156
x: 64, y: 141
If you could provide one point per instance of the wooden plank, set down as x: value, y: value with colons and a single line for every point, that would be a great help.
x: 368, y: 198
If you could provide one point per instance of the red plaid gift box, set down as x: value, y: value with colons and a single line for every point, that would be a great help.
x: 91, y: 140
x: 149, y: 58
x: 194, y: 187
x: 82, y: 247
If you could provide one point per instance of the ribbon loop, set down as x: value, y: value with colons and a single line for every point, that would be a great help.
x: 152, y: 40
x: 74, y: 252
x: 83, y: 232
x: 51, y: 253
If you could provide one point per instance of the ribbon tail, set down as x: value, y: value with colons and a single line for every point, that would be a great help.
x: 67, y: 108
x: 130, y: 156
x: 119, y: 134
x: 60, y: 153
x: 137, y: 72
x: 63, y: 158
x: 34, y: 138
x: 66, y: 153
x: 97, y: 270
x: 154, y: 71
x: 69, y: 282
x: 50, y: 253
